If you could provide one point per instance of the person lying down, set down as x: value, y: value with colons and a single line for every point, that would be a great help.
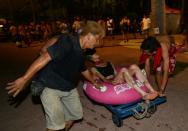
x: 106, y: 72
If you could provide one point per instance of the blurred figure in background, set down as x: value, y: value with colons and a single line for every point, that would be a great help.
x: 125, y: 26
x: 145, y: 25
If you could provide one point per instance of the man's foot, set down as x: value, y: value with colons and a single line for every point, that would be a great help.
x: 147, y: 101
x: 162, y: 95
x: 150, y: 96
x: 68, y: 125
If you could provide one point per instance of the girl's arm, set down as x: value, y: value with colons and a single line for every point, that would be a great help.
x: 115, y: 72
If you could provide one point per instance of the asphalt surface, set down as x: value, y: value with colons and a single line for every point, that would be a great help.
x: 29, y: 116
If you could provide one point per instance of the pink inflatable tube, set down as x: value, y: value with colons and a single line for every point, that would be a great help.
x: 114, y: 94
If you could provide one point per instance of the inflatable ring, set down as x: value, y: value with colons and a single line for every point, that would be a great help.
x: 114, y: 94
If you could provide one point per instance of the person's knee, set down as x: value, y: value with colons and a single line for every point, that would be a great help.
x: 123, y: 70
x: 134, y: 67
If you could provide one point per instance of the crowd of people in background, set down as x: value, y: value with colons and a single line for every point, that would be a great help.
x: 25, y: 34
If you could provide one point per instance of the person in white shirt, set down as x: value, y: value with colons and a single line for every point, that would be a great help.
x: 145, y: 25
x: 110, y: 26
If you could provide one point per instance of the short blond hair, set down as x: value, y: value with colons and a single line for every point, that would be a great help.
x: 91, y: 27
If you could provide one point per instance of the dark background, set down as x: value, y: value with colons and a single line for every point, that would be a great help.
x: 39, y: 10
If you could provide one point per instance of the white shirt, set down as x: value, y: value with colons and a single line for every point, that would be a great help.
x: 146, y: 23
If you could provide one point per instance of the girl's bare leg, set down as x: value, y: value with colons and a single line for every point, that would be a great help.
x: 136, y: 70
x: 130, y: 81
x: 139, y: 75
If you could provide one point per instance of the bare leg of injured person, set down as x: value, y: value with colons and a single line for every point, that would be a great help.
x: 126, y: 75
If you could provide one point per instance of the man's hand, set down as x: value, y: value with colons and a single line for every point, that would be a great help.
x: 108, y: 81
x: 15, y: 87
x: 97, y: 85
x: 100, y: 86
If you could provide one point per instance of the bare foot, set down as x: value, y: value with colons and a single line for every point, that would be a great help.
x: 68, y: 125
x: 151, y: 96
x: 162, y: 94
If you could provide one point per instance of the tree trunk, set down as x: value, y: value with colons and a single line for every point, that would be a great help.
x: 33, y: 10
x: 158, y: 16
x: 10, y: 9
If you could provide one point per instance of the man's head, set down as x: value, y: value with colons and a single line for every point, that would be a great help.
x: 150, y: 45
x: 90, y: 34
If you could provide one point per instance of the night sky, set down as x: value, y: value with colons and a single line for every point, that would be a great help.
x: 57, y: 9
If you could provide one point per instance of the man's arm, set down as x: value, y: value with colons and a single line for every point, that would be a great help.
x: 87, y: 74
x: 48, y: 44
x: 18, y: 85
x: 147, y: 67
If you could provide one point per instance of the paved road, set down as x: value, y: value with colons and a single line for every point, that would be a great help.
x: 171, y: 116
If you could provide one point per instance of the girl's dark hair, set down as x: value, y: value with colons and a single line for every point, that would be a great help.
x: 89, y: 52
x: 151, y: 44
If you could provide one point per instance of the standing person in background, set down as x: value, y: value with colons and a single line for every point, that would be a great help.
x: 134, y: 27
x: 145, y: 25
x: 56, y: 72
x: 13, y: 32
x: 125, y: 26
x: 102, y: 22
x: 76, y: 24
x: 110, y: 26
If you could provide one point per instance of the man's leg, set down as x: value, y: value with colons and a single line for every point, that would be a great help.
x: 56, y: 130
x: 72, y: 108
x: 158, y: 79
x: 53, y: 108
x: 68, y: 125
